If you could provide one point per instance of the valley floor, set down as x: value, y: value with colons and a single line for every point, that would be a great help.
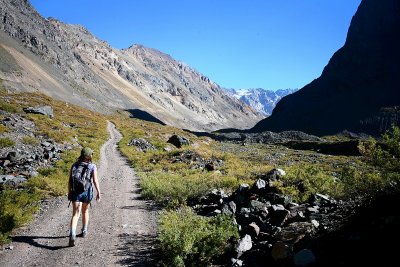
x: 122, y: 228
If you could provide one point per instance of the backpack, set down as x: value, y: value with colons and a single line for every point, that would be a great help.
x: 81, y: 177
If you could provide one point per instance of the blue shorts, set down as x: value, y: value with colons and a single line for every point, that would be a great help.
x: 84, y: 197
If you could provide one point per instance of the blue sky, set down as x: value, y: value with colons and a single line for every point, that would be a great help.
x: 272, y: 44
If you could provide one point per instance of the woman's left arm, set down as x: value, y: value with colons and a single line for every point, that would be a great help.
x: 96, y: 184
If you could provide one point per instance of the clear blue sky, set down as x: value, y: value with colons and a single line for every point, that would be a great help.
x: 271, y: 44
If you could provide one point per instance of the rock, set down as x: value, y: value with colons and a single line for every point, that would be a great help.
x: 141, y: 144
x: 278, y: 215
x: 13, y: 156
x: 178, y: 141
x: 167, y: 149
x: 280, y: 251
x: 43, y: 110
x: 15, y: 181
x: 243, y: 245
x: 260, y: 184
x: 6, y: 178
x: 254, y: 229
x: 280, y: 172
x: 236, y: 262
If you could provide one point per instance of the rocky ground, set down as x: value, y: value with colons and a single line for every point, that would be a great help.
x: 30, y: 152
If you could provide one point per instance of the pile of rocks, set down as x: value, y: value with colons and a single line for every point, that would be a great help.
x: 266, y: 137
x: 30, y: 151
x: 142, y: 145
x: 273, y: 229
x: 195, y: 161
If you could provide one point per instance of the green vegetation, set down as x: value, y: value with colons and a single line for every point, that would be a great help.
x: 385, y: 157
x: 16, y: 209
x: 6, y: 142
x: 29, y: 140
x: 89, y: 129
x: 7, y: 106
x: 3, y: 129
x: 174, y: 189
x: 188, y: 239
x: 174, y: 183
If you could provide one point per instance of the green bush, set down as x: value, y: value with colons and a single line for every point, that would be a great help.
x: 188, y: 239
x: 6, y: 142
x: 8, y: 107
x: 384, y: 156
x: 177, y: 188
x: 302, y: 181
x: 16, y: 209
x: 3, y: 129
x: 28, y: 140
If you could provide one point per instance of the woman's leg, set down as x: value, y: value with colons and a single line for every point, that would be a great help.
x: 85, y: 218
x: 76, y: 210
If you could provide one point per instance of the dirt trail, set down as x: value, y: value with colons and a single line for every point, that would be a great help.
x: 122, y: 227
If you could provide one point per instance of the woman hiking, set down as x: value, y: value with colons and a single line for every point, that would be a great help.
x: 80, y: 191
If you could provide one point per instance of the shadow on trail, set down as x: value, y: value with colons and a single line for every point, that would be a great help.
x: 38, y: 241
x: 140, y: 250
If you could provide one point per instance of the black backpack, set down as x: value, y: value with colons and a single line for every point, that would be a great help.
x: 81, y: 177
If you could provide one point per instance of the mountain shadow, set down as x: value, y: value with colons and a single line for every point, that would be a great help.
x: 358, y: 86
x: 143, y: 115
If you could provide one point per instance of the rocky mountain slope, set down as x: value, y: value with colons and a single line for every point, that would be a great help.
x: 261, y: 100
x: 69, y: 63
x: 359, y: 89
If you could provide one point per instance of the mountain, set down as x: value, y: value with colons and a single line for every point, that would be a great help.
x: 359, y: 89
x: 67, y: 62
x: 261, y: 100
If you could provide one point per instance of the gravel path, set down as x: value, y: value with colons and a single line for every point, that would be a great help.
x: 122, y: 226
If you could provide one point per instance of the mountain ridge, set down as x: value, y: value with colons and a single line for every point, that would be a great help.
x: 260, y: 99
x: 72, y: 64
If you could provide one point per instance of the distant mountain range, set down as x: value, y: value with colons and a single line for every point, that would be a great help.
x: 261, y: 100
x: 67, y: 62
x: 359, y: 89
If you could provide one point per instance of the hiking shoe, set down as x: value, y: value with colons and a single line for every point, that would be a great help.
x: 84, y: 234
x: 71, y: 241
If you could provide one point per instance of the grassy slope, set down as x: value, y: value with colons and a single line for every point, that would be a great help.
x: 70, y: 124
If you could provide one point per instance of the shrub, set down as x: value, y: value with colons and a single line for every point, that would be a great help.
x: 3, y: 129
x: 386, y: 154
x: 188, y: 239
x: 28, y: 140
x: 8, y: 107
x: 16, y: 209
x: 177, y: 188
x: 6, y: 142
x: 302, y: 181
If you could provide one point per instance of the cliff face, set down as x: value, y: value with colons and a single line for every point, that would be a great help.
x: 361, y: 79
x: 69, y: 63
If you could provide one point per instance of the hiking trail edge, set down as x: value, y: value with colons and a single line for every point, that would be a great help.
x: 122, y: 226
